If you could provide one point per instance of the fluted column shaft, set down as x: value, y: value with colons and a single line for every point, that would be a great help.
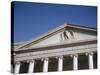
x: 60, y: 63
x: 45, y: 65
x: 90, y: 60
x: 75, y: 62
x: 17, y: 68
x: 31, y: 66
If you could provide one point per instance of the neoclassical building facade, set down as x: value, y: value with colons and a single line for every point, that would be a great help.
x: 67, y: 47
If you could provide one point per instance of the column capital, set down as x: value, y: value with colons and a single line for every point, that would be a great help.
x: 30, y: 61
x: 44, y: 59
x: 72, y: 55
x: 89, y: 53
x: 57, y: 57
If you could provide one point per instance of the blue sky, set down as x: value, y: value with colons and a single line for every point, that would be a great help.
x: 33, y: 19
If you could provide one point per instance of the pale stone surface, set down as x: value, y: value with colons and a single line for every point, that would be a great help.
x: 51, y: 45
x: 17, y: 68
x: 60, y: 63
x: 90, y: 60
x: 45, y: 65
x: 31, y: 66
x: 75, y: 62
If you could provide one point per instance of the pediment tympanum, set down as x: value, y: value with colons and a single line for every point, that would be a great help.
x: 61, y: 34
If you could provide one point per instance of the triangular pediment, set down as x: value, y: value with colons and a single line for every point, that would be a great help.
x: 66, y: 32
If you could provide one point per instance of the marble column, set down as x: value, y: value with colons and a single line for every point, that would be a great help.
x: 17, y: 68
x: 90, y: 60
x: 31, y: 66
x: 45, y: 65
x: 75, y: 62
x: 60, y: 63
